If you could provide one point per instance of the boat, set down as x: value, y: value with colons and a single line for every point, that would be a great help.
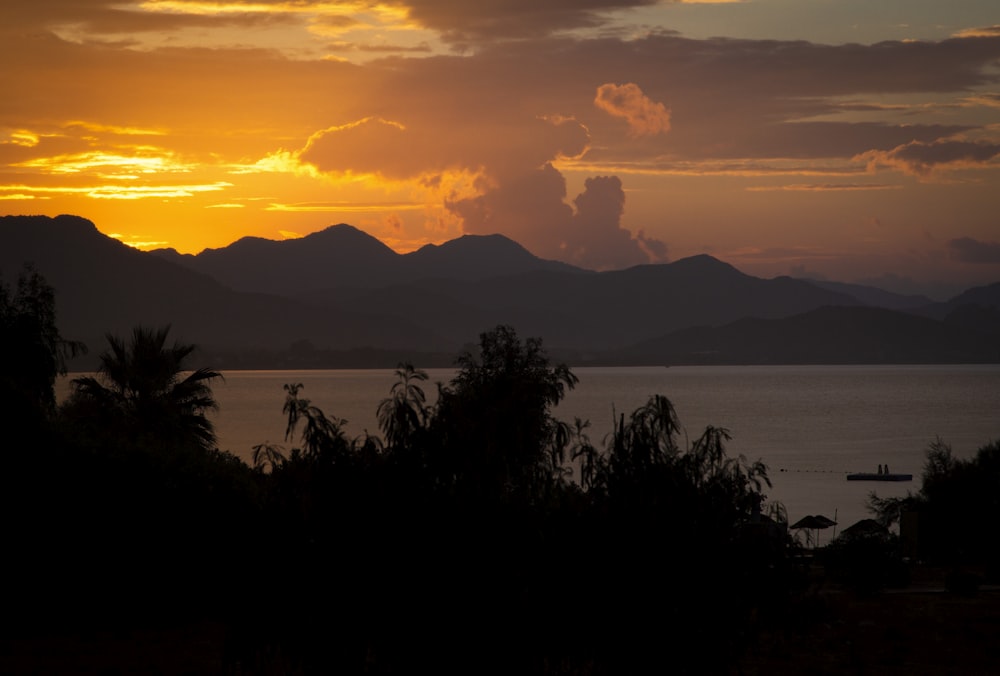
x: 875, y: 476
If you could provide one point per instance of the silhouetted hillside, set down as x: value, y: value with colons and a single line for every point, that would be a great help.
x: 874, y: 296
x: 594, y: 311
x: 984, y: 296
x: 332, y: 257
x: 341, y: 308
x: 829, y: 335
x: 103, y: 285
x: 341, y: 256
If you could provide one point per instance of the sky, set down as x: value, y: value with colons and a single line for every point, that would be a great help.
x: 846, y: 140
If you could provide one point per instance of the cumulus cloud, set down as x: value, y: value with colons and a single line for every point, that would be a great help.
x: 969, y: 250
x: 398, y: 150
x: 645, y: 117
x: 919, y: 158
x: 369, y: 145
x: 502, y: 113
x: 518, y: 191
x: 531, y: 208
x: 597, y: 239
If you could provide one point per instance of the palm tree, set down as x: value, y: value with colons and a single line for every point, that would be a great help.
x: 405, y: 410
x: 267, y: 457
x: 144, y: 385
x: 322, y: 437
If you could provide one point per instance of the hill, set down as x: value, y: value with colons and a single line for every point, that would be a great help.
x: 105, y: 286
x: 828, y: 335
x: 341, y: 256
x: 340, y: 298
x: 592, y: 312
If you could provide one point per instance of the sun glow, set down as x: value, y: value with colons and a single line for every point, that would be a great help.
x: 130, y: 192
x: 20, y: 137
x: 81, y: 162
x: 321, y: 19
x: 347, y: 207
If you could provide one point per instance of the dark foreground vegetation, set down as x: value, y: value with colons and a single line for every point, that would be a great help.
x: 477, y: 536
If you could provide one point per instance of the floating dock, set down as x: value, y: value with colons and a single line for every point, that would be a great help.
x: 875, y: 476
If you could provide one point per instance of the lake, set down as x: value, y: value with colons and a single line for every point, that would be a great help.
x: 810, y: 424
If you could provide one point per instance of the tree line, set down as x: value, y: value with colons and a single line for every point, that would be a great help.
x: 478, y: 534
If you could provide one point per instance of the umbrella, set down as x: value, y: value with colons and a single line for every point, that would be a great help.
x: 814, y: 522
x: 866, y: 528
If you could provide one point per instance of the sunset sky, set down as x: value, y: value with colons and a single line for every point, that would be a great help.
x: 840, y: 139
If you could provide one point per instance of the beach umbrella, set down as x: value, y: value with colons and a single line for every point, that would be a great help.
x: 866, y: 528
x: 814, y: 522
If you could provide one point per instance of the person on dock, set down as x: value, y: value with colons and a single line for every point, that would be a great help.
x: 880, y: 469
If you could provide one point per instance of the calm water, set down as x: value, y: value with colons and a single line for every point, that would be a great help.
x: 810, y: 424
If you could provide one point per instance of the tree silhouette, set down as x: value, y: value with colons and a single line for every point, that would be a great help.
x: 494, y: 424
x: 33, y: 352
x: 323, y: 438
x: 405, y: 410
x: 958, y: 506
x: 141, y: 384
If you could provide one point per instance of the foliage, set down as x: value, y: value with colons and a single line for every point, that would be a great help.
x: 404, y: 413
x: 33, y: 351
x: 322, y: 438
x: 335, y: 550
x: 143, y: 387
x: 495, y: 433
x: 957, y: 506
x: 867, y: 561
x: 645, y: 462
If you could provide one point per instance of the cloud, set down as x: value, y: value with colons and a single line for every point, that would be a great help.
x: 347, y: 207
x: 531, y: 209
x: 823, y: 187
x: 596, y: 239
x: 969, y: 250
x: 518, y: 191
x: 107, y: 17
x: 138, y: 241
x: 644, y: 116
x: 397, y: 150
x: 921, y: 159
x: 118, y: 192
x: 461, y: 21
x: 368, y: 146
x: 501, y: 116
x: 980, y: 32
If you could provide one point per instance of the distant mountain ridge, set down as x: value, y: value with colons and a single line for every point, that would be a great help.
x: 343, y: 256
x: 875, y: 297
x: 105, y: 286
x: 340, y: 297
x: 827, y: 335
x: 596, y: 311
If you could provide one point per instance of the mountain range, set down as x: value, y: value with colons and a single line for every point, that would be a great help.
x: 340, y: 297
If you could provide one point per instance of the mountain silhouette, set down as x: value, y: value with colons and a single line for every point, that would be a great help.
x: 342, y: 290
x: 595, y: 311
x: 984, y: 296
x: 104, y: 286
x: 341, y: 256
x: 874, y: 296
x: 828, y: 335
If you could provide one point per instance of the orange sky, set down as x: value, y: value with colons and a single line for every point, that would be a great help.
x: 824, y: 139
